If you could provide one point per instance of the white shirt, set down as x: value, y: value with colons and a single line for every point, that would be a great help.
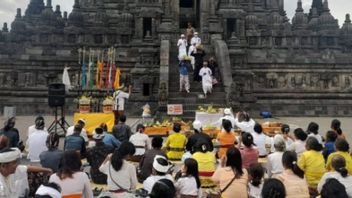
x: 246, y: 126
x: 31, y: 129
x: 318, y: 137
x: 151, y: 180
x: 36, y: 144
x: 288, y: 142
x: 83, y: 133
x: 119, y: 98
x: 346, y: 181
x: 298, y: 146
x: 187, y: 186
x: 140, y: 139
x: 78, y: 184
x: 15, y: 185
x: 126, y: 177
x: 192, y: 49
x: 182, y: 43
x: 274, y: 165
x: 254, y: 191
x: 196, y: 40
x: 261, y: 141
x: 226, y: 117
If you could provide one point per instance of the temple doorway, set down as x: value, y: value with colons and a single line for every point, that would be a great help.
x: 189, y: 12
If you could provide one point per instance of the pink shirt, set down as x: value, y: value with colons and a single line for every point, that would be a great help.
x: 249, y: 156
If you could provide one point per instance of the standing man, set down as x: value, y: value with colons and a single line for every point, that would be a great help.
x: 190, y: 32
x: 207, y: 80
x: 119, y: 101
x: 192, y: 49
x: 196, y: 40
x: 182, y: 47
x: 198, y: 55
x: 184, y: 78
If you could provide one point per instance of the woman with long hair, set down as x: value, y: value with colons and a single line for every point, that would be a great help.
x: 293, y: 177
x: 231, y: 176
x: 226, y: 138
x: 122, y: 175
x: 249, y: 153
x: 189, y: 183
x: 336, y: 126
x: 71, y: 179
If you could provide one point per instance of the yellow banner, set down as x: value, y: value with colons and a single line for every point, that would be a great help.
x: 93, y: 120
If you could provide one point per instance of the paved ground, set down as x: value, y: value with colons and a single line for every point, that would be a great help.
x: 23, y: 122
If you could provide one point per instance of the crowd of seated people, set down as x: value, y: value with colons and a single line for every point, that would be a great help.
x: 249, y: 164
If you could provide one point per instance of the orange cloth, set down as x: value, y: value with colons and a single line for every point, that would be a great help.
x: 225, y: 139
x: 238, y: 188
x: 117, y: 78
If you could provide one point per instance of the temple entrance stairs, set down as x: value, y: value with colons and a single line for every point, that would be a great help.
x: 192, y: 100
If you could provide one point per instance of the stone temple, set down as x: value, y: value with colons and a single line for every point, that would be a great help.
x: 267, y: 63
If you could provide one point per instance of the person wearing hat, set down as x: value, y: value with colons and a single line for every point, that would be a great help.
x: 184, y: 67
x: 196, y: 40
x: 36, y: 142
x: 96, y: 156
x: 198, y: 136
x: 161, y: 167
x: 11, y: 132
x: 141, y: 141
x: 227, y: 116
x: 182, y: 47
x: 83, y: 134
x: 14, y: 177
x: 198, y: 62
x: 120, y: 96
x: 207, y: 79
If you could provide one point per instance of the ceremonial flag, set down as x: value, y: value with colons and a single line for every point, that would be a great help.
x: 117, y: 78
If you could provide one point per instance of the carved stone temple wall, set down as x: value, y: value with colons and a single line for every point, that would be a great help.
x: 297, y: 67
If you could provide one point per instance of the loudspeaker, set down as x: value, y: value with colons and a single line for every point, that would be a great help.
x: 56, y: 95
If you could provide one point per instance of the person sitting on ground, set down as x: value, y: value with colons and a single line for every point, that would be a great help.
x: 274, y: 165
x: 198, y: 136
x: 141, y: 142
x: 261, y: 140
x: 163, y: 188
x: 340, y: 173
x: 36, y: 142
x: 189, y: 183
x: 312, y: 163
x: 122, y: 131
x: 206, y: 164
x: 336, y: 126
x: 53, y: 156
x: 161, y: 167
x: 109, y: 139
x: 175, y: 143
x: 255, y: 185
x: 70, y: 177
x: 342, y: 149
x: 96, y: 156
x: 244, y: 122
x: 227, y: 138
x: 121, y: 174
x: 273, y: 188
x: 82, y: 124
x: 32, y: 128
x: 333, y: 188
x: 329, y: 147
x: 48, y: 190
x: 11, y: 132
x: 293, y: 177
x: 313, y: 131
x: 249, y: 153
x: 146, y: 163
x: 231, y: 176
x: 76, y: 141
x: 285, y: 130
x: 299, y: 145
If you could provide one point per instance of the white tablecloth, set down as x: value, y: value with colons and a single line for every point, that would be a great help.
x: 208, y: 118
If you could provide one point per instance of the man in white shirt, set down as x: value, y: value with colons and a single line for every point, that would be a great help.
x: 83, y: 133
x: 119, y: 101
x: 31, y: 129
x: 196, y: 40
x: 192, y: 48
x: 227, y: 116
x: 37, y: 141
x: 182, y: 47
x: 207, y: 80
x: 140, y: 140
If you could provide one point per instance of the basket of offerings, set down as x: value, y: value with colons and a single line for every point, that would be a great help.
x: 84, y: 104
x: 108, y: 105
x: 271, y: 128
x: 165, y: 127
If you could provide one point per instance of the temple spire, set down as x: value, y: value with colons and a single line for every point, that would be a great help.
x: 318, y: 5
x: 299, y: 6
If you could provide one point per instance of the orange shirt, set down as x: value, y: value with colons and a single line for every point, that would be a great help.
x: 226, y: 140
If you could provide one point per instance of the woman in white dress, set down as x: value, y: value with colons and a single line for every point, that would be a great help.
x: 207, y: 79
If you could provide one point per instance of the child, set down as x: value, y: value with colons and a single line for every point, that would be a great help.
x: 255, y: 185
x: 188, y: 184
x: 329, y: 147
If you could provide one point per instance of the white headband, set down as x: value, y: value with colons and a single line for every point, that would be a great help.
x: 45, y: 190
x: 10, y: 155
x: 158, y: 167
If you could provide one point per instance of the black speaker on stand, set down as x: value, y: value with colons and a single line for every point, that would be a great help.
x: 56, y: 100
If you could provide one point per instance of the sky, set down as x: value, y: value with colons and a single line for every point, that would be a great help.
x: 338, y: 8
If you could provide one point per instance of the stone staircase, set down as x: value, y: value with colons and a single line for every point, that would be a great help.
x: 191, y: 101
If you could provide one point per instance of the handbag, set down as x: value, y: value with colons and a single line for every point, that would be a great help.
x: 112, y: 179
